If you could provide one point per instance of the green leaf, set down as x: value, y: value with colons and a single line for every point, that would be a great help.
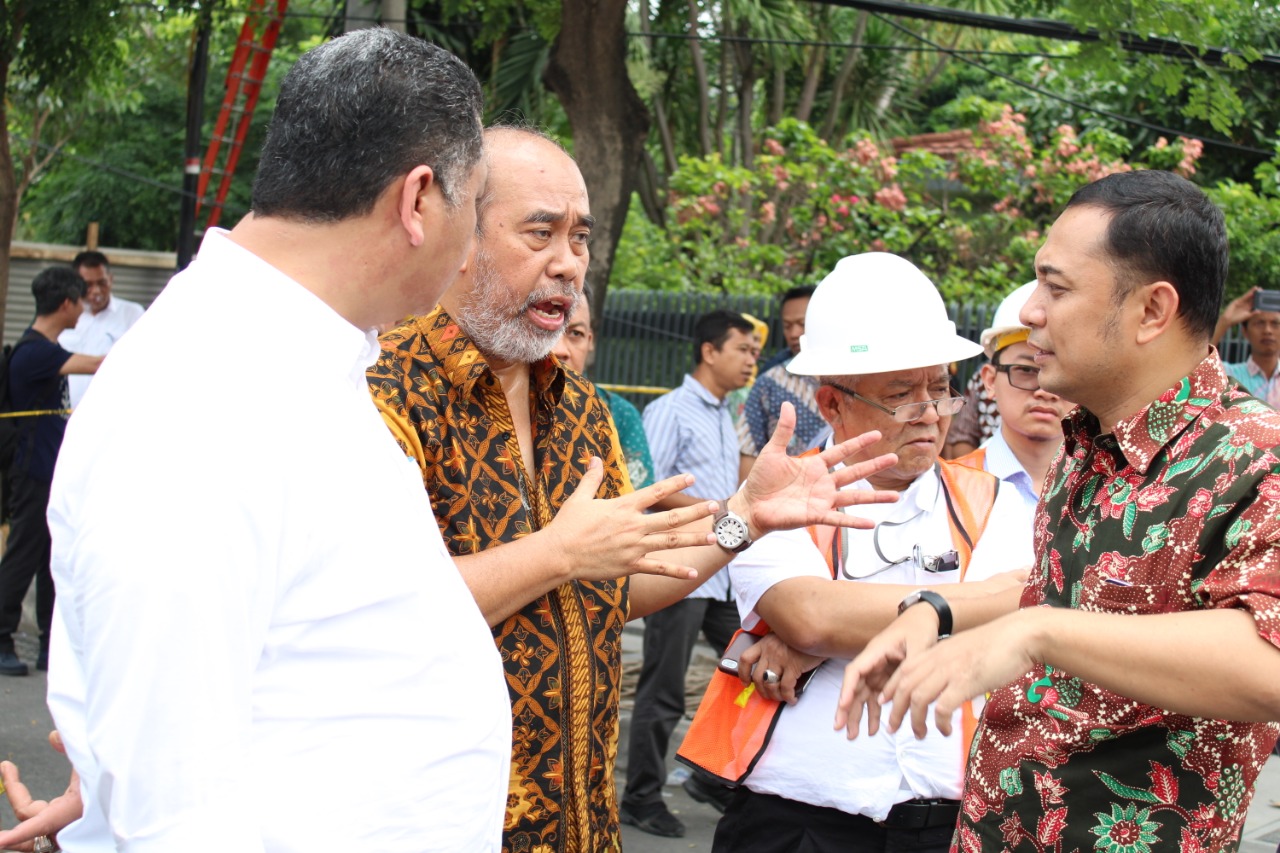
x: 1122, y: 790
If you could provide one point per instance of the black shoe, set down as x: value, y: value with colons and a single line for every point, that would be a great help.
x: 711, y: 793
x: 10, y: 665
x: 654, y: 819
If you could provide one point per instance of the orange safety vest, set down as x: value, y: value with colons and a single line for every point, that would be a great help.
x: 973, y: 459
x: 733, y: 723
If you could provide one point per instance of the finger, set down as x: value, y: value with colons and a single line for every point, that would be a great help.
x: 782, y: 432
x: 787, y: 687
x: 51, y: 820
x: 590, y: 482
x: 841, y: 452
x: 55, y: 741
x: 674, y: 518
x: 19, y: 796
x: 650, y: 495
x: 649, y: 566
x: 671, y: 539
x: 856, y: 471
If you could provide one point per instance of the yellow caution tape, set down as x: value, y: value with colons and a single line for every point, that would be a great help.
x: 35, y: 412
x: 634, y: 389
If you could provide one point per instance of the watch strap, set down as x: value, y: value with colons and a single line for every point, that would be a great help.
x: 937, y: 602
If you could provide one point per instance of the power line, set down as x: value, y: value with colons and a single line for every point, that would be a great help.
x: 1207, y: 140
x: 810, y: 43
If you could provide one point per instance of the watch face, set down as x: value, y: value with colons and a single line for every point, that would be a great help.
x: 731, y: 532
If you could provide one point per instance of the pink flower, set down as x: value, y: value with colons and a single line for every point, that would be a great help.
x: 1200, y: 503
x: 768, y: 213
x: 1161, y: 144
x: 774, y: 147
x: 892, y: 197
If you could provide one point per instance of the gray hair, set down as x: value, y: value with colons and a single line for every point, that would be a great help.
x: 360, y: 111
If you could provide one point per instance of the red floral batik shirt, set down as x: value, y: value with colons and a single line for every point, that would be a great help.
x: 1178, y: 509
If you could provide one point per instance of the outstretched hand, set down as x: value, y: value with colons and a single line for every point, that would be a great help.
x: 786, y: 492
x: 1239, y: 309
x: 37, y: 816
x: 609, y: 538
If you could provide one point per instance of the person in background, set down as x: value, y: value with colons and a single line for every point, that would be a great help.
x: 38, y: 371
x: 1030, y: 431
x: 689, y: 430
x: 576, y: 349
x: 1259, y: 374
x: 107, y: 319
x: 776, y: 385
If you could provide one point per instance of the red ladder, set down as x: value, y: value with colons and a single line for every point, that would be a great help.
x: 253, y: 49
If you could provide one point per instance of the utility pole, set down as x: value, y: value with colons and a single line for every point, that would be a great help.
x: 196, y: 76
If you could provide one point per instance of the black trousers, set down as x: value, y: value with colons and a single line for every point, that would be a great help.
x: 669, y: 637
x: 26, y: 556
x: 762, y: 823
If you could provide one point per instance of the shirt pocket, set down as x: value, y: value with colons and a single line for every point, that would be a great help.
x: 1102, y: 595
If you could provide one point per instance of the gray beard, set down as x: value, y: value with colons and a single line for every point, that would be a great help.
x: 485, y: 315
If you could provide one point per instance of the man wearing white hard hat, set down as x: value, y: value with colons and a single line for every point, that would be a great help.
x: 878, y: 338
x: 1030, y: 432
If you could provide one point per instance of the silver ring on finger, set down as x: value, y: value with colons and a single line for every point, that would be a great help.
x: 771, y: 677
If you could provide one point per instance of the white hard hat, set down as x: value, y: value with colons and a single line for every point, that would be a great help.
x: 1006, y: 329
x: 874, y: 313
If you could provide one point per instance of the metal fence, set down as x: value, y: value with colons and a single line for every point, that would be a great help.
x: 645, y: 338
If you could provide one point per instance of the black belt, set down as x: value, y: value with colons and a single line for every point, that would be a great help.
x: 923, y: 814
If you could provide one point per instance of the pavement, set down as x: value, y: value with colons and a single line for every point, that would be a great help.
x: 25, y: 725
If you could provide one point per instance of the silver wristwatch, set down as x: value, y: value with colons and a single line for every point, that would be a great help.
x: 732, y: 533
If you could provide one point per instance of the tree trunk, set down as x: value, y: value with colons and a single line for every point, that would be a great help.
x: 700, y: 76
x: 778, y: 101
x: 588, y: 72
x: 817, y: 58
x: 842, y: 77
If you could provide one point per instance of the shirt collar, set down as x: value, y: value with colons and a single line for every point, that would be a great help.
x: 1255, y: 370
x: 332, y: 340
x: 700, y: 391
x: 464, y: 364
x: 1141, y: 436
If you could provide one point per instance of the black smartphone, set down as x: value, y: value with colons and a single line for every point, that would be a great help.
x: 1266, y: 300
x: 743, y: 641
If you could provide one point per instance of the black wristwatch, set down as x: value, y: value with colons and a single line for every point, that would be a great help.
x: 937, y: 602
x: 731, y: 530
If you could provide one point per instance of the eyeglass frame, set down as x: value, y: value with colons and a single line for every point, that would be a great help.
x: 1007, y: 370
x: 923, y: 405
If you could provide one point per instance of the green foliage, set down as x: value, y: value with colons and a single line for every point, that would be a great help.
x: 973, y: 223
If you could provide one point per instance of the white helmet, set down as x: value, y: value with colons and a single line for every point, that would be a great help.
x: 1006, y: 329
x: 875, y: 313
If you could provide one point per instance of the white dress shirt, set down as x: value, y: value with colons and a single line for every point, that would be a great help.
x: 260, y: 642
x: 95, y: 334
x: 806, y: 760
x: 1000, y: 461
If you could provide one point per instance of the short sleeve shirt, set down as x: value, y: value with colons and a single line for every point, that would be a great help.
x: 37, y: 384
x: 1177, y: 509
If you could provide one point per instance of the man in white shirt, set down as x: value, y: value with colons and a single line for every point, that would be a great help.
x: 107, y: 319
x: 878, y: 338
x: 231, y: 640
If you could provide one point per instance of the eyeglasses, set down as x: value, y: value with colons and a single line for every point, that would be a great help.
x: 947, y: 561
x: 1021, y: 376
x: 945, y: 407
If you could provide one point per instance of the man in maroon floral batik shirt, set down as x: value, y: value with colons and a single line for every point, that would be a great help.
x: 1129, y: 688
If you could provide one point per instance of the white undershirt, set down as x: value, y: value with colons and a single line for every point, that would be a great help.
x: 260, y: 642
x: 806, y: 759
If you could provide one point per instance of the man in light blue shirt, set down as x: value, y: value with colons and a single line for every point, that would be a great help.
x: 689, y: 431
x: 1259, y: 374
